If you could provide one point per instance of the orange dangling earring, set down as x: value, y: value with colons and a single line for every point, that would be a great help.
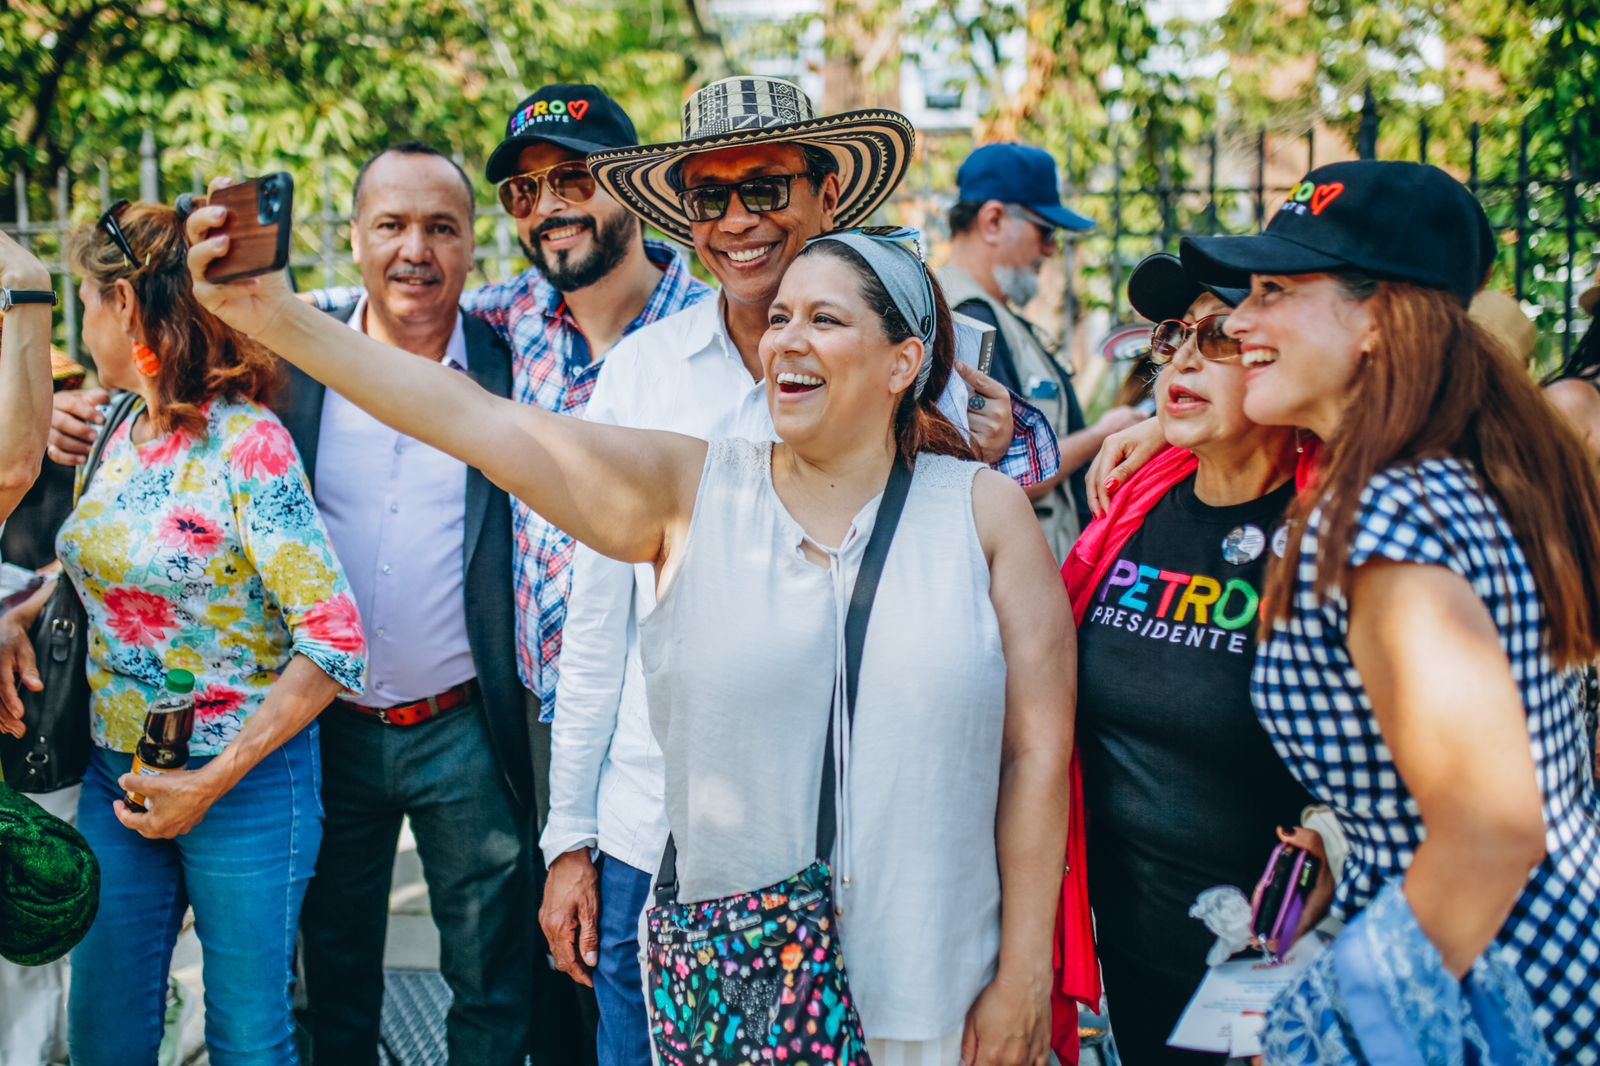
x: 145, y: 360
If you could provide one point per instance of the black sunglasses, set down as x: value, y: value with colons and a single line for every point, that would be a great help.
x: 707, y: 203
x: 108, y: 222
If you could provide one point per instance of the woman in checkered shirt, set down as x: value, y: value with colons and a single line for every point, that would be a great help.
x: 1443, y: 578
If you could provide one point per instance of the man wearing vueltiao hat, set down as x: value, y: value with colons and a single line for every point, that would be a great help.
x: 756, y: 175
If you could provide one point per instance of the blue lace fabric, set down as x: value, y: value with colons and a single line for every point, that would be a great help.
x: 1381, y: 995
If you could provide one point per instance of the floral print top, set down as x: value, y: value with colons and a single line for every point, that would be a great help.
x: 208, y: 556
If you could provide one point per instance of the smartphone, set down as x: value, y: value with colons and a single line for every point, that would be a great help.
x: 1271, y: 890
x: 260, y: 213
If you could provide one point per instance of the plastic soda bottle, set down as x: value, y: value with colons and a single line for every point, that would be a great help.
x: 167, y: 727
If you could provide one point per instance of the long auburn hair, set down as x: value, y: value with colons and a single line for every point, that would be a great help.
x: 919, y: 425
x: 1437, y: 385
x: 201, y: 358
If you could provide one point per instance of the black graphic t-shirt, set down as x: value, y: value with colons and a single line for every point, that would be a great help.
x: 1182, y: 787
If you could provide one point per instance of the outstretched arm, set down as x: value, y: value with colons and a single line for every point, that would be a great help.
x: 24, y: 377
x: 626, y: 493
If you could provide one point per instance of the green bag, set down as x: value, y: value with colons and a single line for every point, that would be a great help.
x: 49, y: 882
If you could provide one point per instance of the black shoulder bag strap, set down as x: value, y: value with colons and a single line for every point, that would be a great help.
x: 855, y: 638
x: 117, y: 412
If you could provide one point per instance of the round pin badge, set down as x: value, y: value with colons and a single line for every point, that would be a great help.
x: 1244, y: 545
x: 1280, y: 540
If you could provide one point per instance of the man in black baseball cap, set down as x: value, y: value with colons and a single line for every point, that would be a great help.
x: 579, y: 117
x: 595, y: 279
x: 1406, y: 222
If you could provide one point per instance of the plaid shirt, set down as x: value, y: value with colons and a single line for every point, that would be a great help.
x: 552, y: 369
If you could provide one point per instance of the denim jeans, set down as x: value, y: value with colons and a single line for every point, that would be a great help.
x: 624, y: 1037
x: 244, y: 871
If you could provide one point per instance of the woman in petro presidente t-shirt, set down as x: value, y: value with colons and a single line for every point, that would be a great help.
x: 1181, y: 783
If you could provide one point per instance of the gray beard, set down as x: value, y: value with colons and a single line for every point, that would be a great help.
x: 1019, y: 285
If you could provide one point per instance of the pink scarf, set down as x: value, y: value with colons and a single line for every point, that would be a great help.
x: 1077, y: 967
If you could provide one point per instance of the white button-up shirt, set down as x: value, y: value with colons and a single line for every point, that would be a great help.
x: 682, y: 374
x: 396, y: 514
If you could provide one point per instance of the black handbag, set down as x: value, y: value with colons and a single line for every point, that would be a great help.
x: 53, y: 751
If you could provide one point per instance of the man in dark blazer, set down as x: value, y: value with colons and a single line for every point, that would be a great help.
x: 440, y: 734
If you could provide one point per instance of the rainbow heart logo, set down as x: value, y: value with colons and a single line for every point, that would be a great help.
x: 578, y: 108
x: 1325, y: 195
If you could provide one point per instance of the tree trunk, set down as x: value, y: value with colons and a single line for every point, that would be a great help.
x: 861, y: 42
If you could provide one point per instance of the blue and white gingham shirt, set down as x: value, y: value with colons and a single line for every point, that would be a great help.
x: 1310, y: 699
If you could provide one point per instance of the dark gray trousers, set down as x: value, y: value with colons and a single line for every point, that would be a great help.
x: 474, y: 843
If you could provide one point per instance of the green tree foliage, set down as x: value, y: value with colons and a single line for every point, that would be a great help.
x: 312, y: 86
x: 1130, y: 107
x: 1494, y: 91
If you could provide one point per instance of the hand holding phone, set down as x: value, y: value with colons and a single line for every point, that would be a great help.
x: 260, y: 216
x: 248, y: 302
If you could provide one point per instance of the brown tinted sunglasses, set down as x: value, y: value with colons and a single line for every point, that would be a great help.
x: 569, y: 180
x: 1210, y: 338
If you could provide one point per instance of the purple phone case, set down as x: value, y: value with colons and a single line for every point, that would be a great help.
x: 1294, y: 901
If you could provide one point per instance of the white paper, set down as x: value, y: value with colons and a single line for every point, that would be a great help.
x: 1229, y: 1009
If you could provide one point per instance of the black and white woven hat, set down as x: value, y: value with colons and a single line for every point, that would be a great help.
x: 873, y: 149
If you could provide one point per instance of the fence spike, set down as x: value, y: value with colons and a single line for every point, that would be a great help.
x: 149, y: 168
x: 69, y: 305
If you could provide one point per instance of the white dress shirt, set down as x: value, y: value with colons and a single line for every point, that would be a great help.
x: 396, y: 514
x: 682, y: 374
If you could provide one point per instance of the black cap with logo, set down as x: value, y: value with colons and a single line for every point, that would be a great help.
x: 579, y: 117
x: 1405, y: 222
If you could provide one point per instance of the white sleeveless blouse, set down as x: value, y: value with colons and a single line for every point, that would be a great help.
x: 742, y: 655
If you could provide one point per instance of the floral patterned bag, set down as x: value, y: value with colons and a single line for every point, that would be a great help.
x: 759, y: 977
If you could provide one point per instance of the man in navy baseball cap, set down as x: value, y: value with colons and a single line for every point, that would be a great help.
x: 1003, y: 227
x: 1019, y: 175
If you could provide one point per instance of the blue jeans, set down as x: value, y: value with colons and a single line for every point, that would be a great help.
x: 624, y: 1035
x: 244, y: 871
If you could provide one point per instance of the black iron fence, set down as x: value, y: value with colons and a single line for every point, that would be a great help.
x: 1547, y: 217
x: 320, y: 252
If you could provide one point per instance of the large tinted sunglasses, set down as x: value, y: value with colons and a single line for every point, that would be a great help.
x: 707, y: 203
x: 569, y: 180
x: 1210, y: 337
x: 108, y: 223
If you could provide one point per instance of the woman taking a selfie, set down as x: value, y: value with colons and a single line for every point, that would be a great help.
x: 951, y: 760
x: 195, y: 546
x: 1442, y: 574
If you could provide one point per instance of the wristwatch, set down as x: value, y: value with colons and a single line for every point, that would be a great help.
x: 9, y: 298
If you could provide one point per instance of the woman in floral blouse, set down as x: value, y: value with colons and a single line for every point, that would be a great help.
x: 197, y: 546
